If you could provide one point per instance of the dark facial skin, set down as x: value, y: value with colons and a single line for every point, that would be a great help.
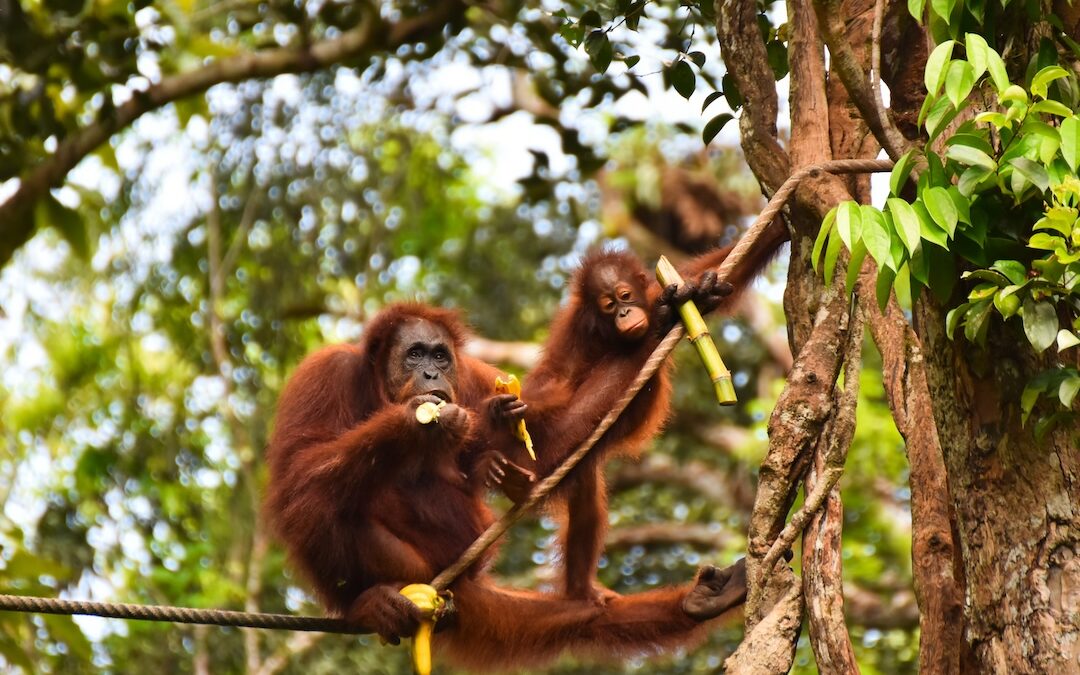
x: 620, y: 300
x: 422, y: 362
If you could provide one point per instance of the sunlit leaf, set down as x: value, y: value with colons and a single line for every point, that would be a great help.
x: 1070, y: 141
x: 970, y: 156
x: 937, y: 66
x: 1066, y: 339
x: 941, y: 208
x: 849, y: 223
x: 901, y: 171
x: 1044, y: 77
x: 826, y: 228
x: 977, y: 53
x: 959, y: 80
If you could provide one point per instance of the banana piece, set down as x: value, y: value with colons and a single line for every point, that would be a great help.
x: 428, y: 412
x: 511, y: 385
x: 428, y: 601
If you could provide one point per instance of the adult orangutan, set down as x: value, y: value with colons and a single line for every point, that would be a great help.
x: 599, y: 341
x: 368, y: 499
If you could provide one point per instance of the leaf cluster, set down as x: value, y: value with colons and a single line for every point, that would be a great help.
x: 998, y: 209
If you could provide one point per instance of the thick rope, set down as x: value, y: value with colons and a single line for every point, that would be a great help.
x: 217, y: 617
x: 214, y: 617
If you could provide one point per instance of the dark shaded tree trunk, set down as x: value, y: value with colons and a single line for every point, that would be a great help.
x: 1016, y: 500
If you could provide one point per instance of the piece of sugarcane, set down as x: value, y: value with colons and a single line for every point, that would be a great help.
x: 698, y: 333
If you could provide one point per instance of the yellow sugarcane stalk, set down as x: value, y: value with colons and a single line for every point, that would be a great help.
x: 698, y: 333
x: 427, y: 600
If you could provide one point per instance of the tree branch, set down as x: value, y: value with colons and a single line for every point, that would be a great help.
x: 934, y: 548
x: 822, y: 557
x: 738, y: 32
x: 16, y: 214
x: 845, y: 64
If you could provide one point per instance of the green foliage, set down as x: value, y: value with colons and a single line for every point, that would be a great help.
x: 596, y: 31
x: 999, y: 210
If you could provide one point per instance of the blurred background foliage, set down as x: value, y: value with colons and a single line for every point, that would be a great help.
x: 196, y: 257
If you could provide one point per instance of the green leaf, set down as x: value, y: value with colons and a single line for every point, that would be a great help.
x: 916, y: 8
x: 698, y: 58
x: 1033, y: 172
x: 1041, y: 82
x: 710, y: 98
x: 1052, y: 107
x: 965, y: 154
x: 1066, y: 339
x: 998, y: 74
x: 1044, y: 241
x: 714, y: 126
x: 962, y: 204
x: 823, y: 234
x: 941, y: 208
x: 952, y: 319
x: 832, y: 253
x: 906, y: 294
x: 731, y: 91
x: 943, y: 8
x: 1013, y: 270
x: 959, y: 80
x: 683, y: 79
x: 1070, y: 142
x: 977, y: 321
x: 919, y: 266
x: 1040, y: 324
x: 631, y: 61
x: 901, y: 171
x: 997, y: 279
x: 971, y: 179
x: 849, y: 223
x: 907, y: 223
x: 598, y: 47
x: 591, y: 19
x: 883, y: 287
x: 776, y: 53
x: 977, y: 53
x: 930, y: 230
x: 936, y: 67
x: 875, y: 235
x: 995, y: 118
x: 855, y: 266
x: 1014, y: 93
x: 983, y: 292
x: 941, y: 113
x: 1008, y: 304
x: 1068, y: 390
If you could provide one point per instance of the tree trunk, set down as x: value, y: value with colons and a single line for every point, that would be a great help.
x: 1017, y: 504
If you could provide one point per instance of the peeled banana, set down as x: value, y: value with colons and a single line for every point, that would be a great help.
x: 511, y: 385
x: 427, y: 599
x: 428, y: 412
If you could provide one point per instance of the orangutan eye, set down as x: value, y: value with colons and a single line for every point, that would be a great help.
x: 607, y: 306
x: 624, y: 296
